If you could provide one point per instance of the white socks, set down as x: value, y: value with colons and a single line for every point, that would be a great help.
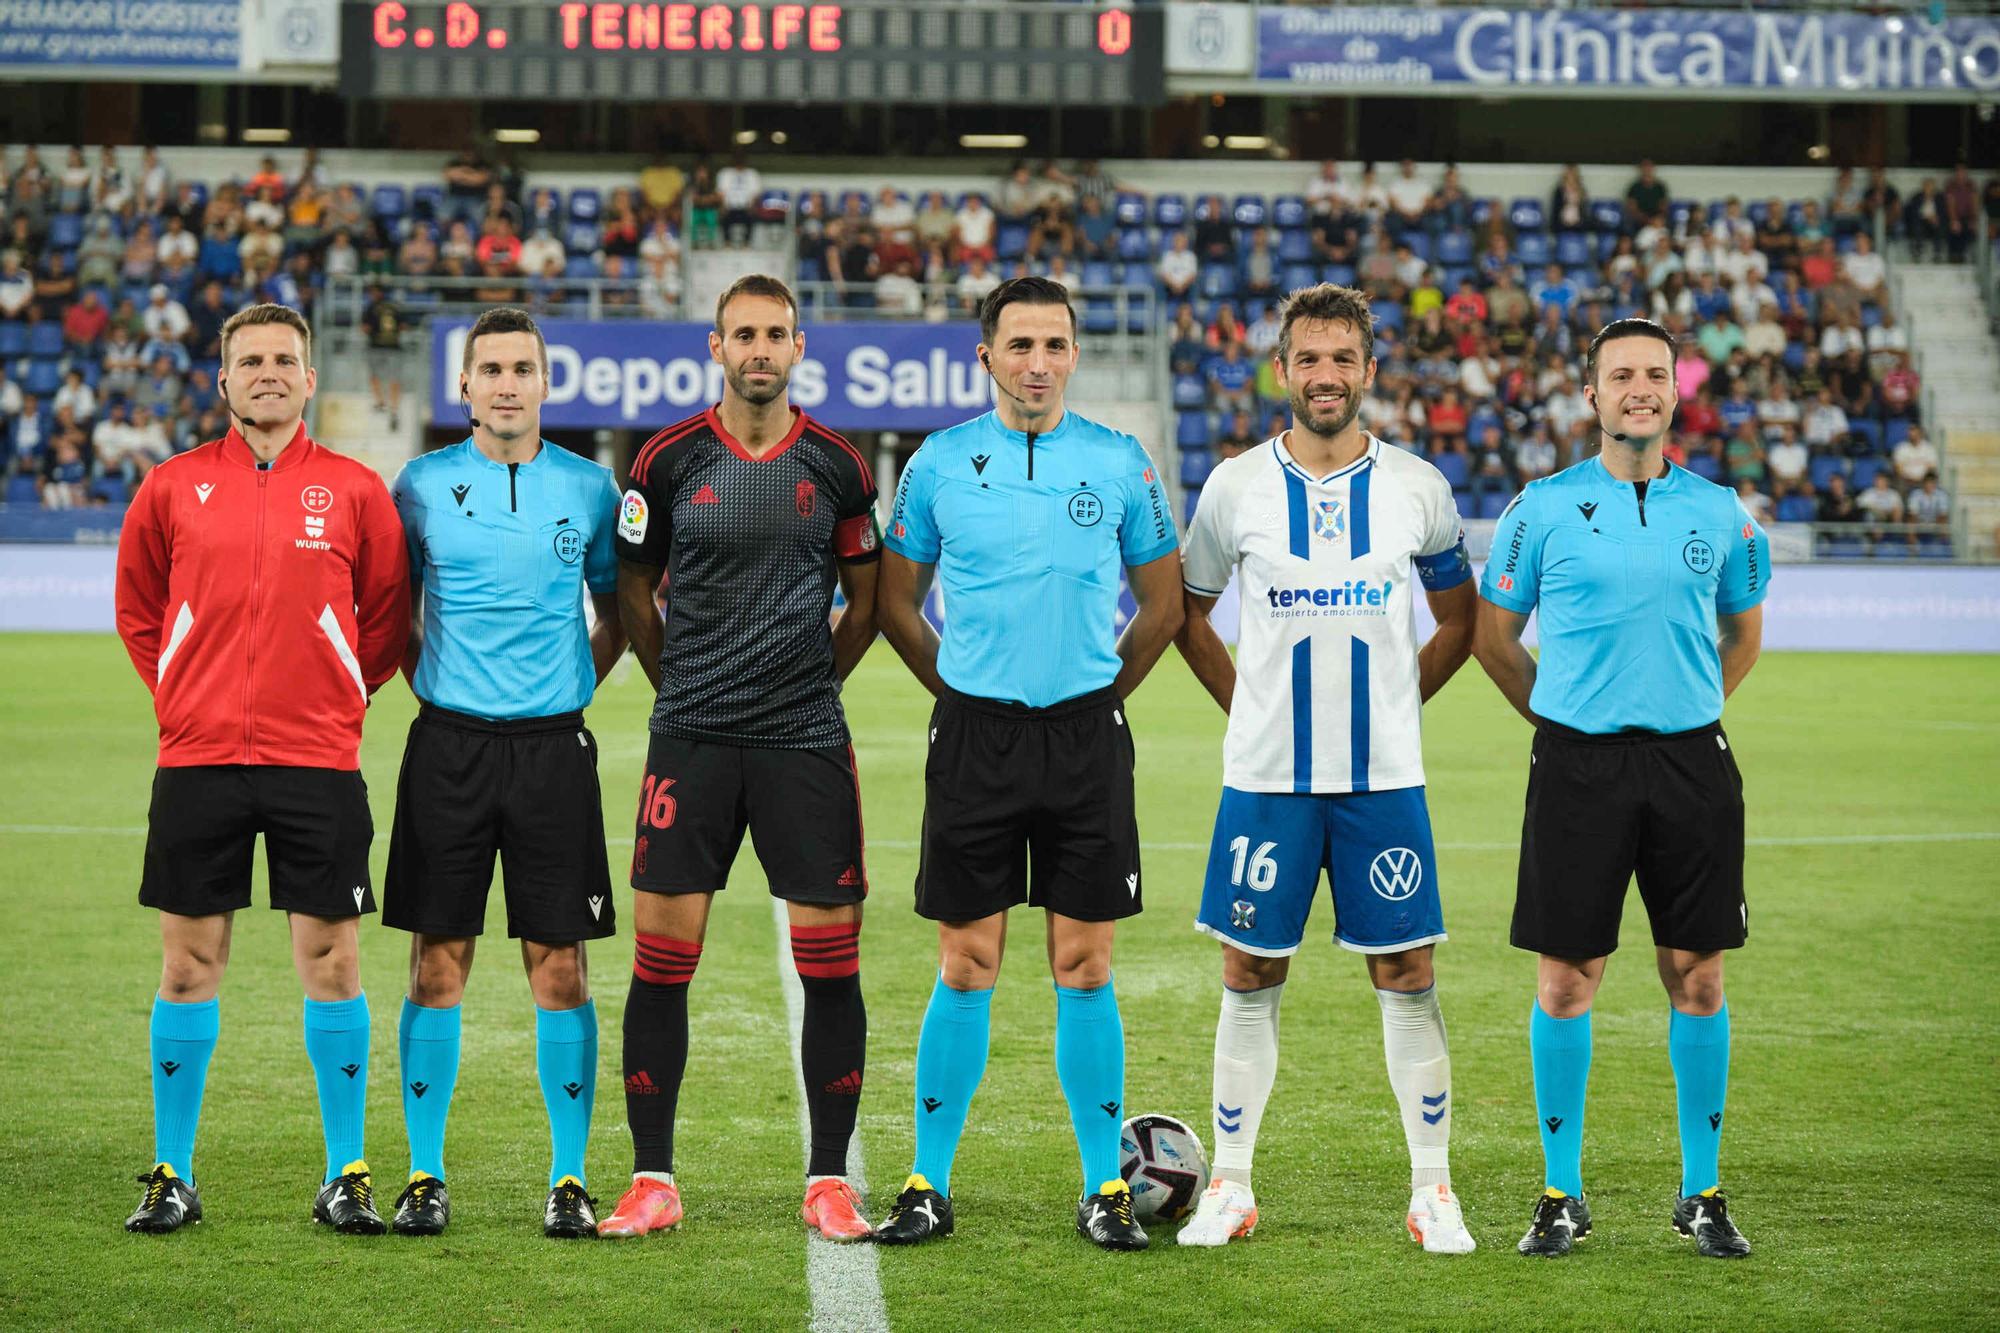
x: 1246, y: 1063
x: 1420, y: 1073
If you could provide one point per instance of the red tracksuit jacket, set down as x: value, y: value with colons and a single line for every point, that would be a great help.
x: 262, y: 607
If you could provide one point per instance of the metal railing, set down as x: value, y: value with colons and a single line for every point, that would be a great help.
x: 1865, y: 539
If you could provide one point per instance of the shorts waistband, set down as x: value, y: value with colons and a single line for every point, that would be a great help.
x: 1081, y: 703
x: 1562, y: 733
x: 513, y: 726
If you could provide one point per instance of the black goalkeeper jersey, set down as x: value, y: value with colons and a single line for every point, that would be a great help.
x: 749, y: 546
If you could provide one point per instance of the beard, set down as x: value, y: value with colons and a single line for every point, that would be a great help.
x: 1327, y: 424
x: 756, y: 395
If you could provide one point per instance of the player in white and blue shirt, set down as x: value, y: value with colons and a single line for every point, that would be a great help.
x: 1327, y: 531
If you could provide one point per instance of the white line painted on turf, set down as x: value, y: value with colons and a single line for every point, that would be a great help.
x: 1816, y: 840
x: 844, y: 1280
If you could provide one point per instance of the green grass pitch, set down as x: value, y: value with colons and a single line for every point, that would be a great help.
x: 1860, y: 1153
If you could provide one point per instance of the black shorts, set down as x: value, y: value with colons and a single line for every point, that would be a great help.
x: 526, y: 789
x: 1006, y: 786
x: 203, y: 824
x: 1602, y: 808
x: 802, y: 807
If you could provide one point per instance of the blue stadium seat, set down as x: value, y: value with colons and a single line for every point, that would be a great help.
x: 427, y: 201
x: 1532, y: 247
x: 1388, y: 315
x: 980, y: 195
x: 1527, y: 215
x: 1934, y: 546
x: 1467, y: 506
x: 1011, y: 241
x: 1457, y: 468
x: 1100, y: 314
x: 13, y: 340
x: 1249, y: 210
x: 776, y: 203
x: 1201, y: 212
x: 1419, y: 243
x: 585, y: 206
x: 580, y: 236
x: 1493, y: 503
x: 1706, y: 466
x: 1170, y: 212
x: 389, y: 202
x: 811, y: 270
x: 1097, y: 273
x: 1294, y: 276
x: 860, y: 197
x: 1824, y: 468
x: 45, y: 339
x: 1871, y: 315
x: 1678, y: 213
x: 1865, y: 471
x: 1136, y: 277
x: 1196, y: 464
x: 1289, y: 211
x: 1716, y: 208
x: 1341, y: 275
x: 1795, y: 509
x: 43, y: 378
x: 580, y: 266
x: 1190, y: 393
x: 1893, y: 548
x: 111, y: 490
x: 1572, y: 250
x: 1129, y: 210
x: 1895, y: 432
x: 1871, y: 431
x: 1217, y: 281
x: 1757, y: 212
x: 1482, y: 211
x: 1134, y: 244
x: 1295, y: 247
x: 1842, y: 548
x: 1454, y: 248
x: 1189, y: 499
x: 1795, y: 215
x: 1607, y: 215
x: 21, y: 490
x: 1192, y: 431
x: 1457, y: 273
x: 1795, y: 355
x: 66, y: 231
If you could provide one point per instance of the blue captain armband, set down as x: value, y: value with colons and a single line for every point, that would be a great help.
x: 1446, y: 569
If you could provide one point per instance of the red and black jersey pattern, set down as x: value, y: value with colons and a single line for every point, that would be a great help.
x: 749, y: 545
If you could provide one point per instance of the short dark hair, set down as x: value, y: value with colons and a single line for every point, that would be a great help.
x: 268, y: 313
x: 505, y: 319
x: 1327, y: 301
x: 1625, y: 328
x: 1022, y: 291
x: 757, y: 284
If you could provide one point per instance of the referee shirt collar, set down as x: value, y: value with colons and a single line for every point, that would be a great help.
x: 237, y: 450
x: 478, y: 455
x: 1665, y: 481
x: 1020, y: 437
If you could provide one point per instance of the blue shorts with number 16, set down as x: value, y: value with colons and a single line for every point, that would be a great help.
x: 1270, y: 847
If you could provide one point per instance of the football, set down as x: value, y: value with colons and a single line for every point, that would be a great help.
x: 1162, y: 1160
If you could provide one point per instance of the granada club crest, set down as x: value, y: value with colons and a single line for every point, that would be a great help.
x: 805, y: 499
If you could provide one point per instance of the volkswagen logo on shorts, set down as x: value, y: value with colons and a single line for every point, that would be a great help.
x: 1396, y: 873
x: 1700, y: 556
x: 1085, y: 509
x: 569, y: 545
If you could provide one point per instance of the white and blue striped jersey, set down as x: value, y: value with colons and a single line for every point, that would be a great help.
x: 1326, y: 658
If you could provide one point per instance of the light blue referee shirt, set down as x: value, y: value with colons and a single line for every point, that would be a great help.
x: 1028, y: 535
x: 505, y: 552
x: 1626, y: 584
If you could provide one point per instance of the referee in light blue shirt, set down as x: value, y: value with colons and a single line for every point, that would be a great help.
x: 1647, y: 582
x: 1026, y: 515
x: 508, y: 535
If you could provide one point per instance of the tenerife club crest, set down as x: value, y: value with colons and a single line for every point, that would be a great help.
x: 1329, y: 520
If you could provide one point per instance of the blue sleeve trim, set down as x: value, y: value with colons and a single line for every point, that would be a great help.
x: 1738, y: 608
x: 1507, y: 600
x: 1446, y: 569
x: 1161, y: 551
x: 908, y: 553
x: 1201, y: 592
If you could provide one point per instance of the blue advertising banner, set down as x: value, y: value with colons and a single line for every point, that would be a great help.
x: 182, y: 34
x: 641, y: 376
x: 1581, y: 51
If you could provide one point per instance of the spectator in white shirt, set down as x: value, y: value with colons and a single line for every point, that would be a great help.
x: 1881, y: 500
x: 893, y: 218
x: 1865, y: 269
x: 1929, y: 503
x: 1741, y: 260
x: 1566, y: 406
x: 1885, y: 338
x: 898, y: 292
x: 112, y: 439
x: 741, y: 188
x: 1825, y: 422
x: 1328, y: 188
x: 1732, y: 226
x: 164, y: 317
x: 1787, y: 459
x: 1841, y: 337
x: 539, y: 249
x: 1060, y: 275
x: 17, y: 286
x: 974, y: 284
x: 177, y: 242
x: 1779, y: 408
x: 1698, y: 259
x: 1765, y: 336
x: 1534, y: 457
x: 1479, y: 374
x: 972, y: 231
x: 1753, y: 500
x: 154, y: 182
x: 1178, y: 267
x: 1409, y: 196
x: 78, y: 397
x: 1915, y: 458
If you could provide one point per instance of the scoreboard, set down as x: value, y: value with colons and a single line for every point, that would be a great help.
x: 897, y: 51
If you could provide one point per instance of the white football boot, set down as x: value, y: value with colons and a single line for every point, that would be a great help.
x: 1227, y: 1210
x: 1436, y: 1219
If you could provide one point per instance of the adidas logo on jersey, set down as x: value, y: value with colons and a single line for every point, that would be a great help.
x: 705, y: 496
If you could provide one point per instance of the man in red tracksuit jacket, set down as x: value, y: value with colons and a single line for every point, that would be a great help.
x: 263, y: 594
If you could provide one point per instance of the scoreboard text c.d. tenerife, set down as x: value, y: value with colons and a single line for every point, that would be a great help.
x: 941, y: 52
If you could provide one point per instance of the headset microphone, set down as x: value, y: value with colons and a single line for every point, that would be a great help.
x: 986, y: 360
x: 465, y: 404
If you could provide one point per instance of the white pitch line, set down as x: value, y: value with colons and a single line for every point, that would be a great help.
x: 844, y: 1280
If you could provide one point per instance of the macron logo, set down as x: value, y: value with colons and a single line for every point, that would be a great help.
x: 202, y: 489
x: 596, y: 907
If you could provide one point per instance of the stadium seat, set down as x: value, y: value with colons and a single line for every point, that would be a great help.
x: 1607, y: 215
x: 1894, y: 432
x: 1295, y: 276
x: 580, y: 236
x: 1249, y: 210
x: 427, y: 201
x: 389, y: 203
x: 1457, y: 273
x: 111, y: 490
x: 1706, y: 466
x: 1217, y: 281
x: 1532, y: 247
x: 1871, y: 431
x: 1341, y: 275
x: 811, y: 270
x: 1573, y: 250
x: 1192, y: 431
x: 1454, y: 248
x: 43, y: 378
x: 1467, y: 506
x: 1893, y: 548
x: 1189, y: 499
x: 1455, y: 466
x: 1865, y: 471
x: 1136, y: 277
x: 1795, y: 356
x: 1842, y: 548
x: 1795, y: 215
x: 585, y: 206
x: 1527, y: 215
x: 580, y: 266
x: 1388, y: 315
x: 1134, y: 244
x: 1190, y: 393
x: 1482, y: 211
x: 776, y: 203
x: 1129, y: 210
x: 1493, y: 503
x: 1097, y: 273
x: 1934, y: 546
x: 1678, y: 213
x: 1196, y: 464
x: 1757, y: 212
x: 1100, y: 314
x: 1170, y: 212
x: 1295, y: 247
x: 1871, y: 315
x: 45, y: 339
x: 66, y: 231
x: 1824, y: 468
x: 1289, y: 211
x: 1419, y: 243
x: 1795, y: 509
x: 1011, y: 241
x: 13, y: 340
x: 21, y: 490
